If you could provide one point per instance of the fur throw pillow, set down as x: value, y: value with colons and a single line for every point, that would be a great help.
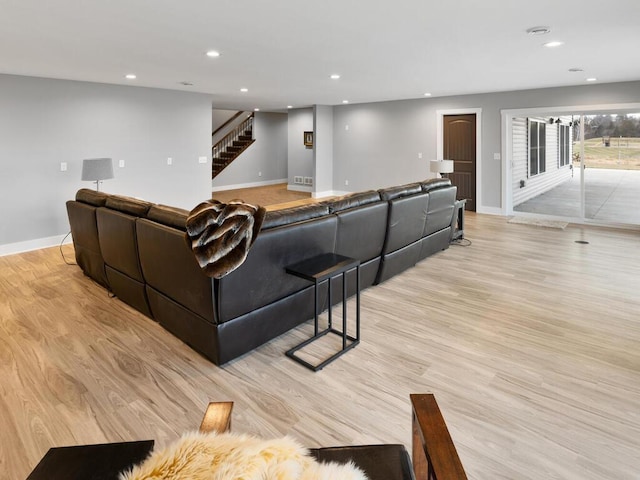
x: 228, y: 456
x: 220, y: 234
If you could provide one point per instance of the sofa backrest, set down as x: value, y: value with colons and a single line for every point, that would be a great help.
x: 82, y: 221
x: 286, y: 216
x: 362, y: 224
x: 262, y: 278
x: 117, y: 234
x: 408, y: 206
x: 440, y: 208
x: 168, y: 264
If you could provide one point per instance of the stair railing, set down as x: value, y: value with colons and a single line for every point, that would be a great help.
x: 233, y: 136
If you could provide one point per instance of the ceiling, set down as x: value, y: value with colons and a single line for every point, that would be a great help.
x: 284, y: 51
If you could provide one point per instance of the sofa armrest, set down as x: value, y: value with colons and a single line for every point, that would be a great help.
x: 217, y: 417
x: 434, y: 454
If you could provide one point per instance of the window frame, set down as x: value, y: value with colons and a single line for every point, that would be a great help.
x: 564, y: 145
x: 536, y: 153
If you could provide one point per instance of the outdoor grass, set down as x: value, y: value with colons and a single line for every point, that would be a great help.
x: 623, y: 153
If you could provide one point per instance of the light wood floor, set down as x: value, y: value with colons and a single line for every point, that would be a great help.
x: 529, y: 340
x: 272, y: 197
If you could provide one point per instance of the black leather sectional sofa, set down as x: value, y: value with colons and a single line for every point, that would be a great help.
x: 138, y: 251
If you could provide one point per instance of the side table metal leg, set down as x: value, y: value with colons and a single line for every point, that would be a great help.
x: 358, y: 302
x: 315, y: 310
x: 329, y: 300
x: 344, y: 310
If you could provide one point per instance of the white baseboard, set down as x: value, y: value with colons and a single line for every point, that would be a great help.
x: 490, y: 211
x: 30, y: 245
x: 247, y: 185
x: 300, y: 188
x: 329, y: 193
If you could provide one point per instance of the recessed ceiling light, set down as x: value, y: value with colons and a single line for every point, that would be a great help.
x: 130, y: 76
x: 289, y: 106
x: 427, y: 94
x: 213, y: 53
x: 244, y: 90
x: 576, y: 69
x: 553, y: 44
x: 345, y: 101
x: 538, y: 30
x: 591, y: 79
x: 256, y: 109
x: 335, y: 76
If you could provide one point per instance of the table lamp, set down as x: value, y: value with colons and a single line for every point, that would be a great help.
x: 442, y: 167
x: 96, y: 170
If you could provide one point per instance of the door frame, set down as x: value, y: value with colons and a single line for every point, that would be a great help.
x: 507, y: 142
x: 440, y: 114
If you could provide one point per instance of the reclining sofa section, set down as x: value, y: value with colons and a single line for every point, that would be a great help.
x: 138, y: 251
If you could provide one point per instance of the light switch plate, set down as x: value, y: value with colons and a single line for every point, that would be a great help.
x: 63, y: 166
x: 202, y: 159
x: 121, y: 163
x: 169, y: 161
x: 496, y: 156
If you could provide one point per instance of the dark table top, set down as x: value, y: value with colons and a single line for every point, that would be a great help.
x: 323, y: 266
x: 90, y: 462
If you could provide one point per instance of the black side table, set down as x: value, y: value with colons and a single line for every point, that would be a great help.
x: 318, y: 269
x: 457, y: 225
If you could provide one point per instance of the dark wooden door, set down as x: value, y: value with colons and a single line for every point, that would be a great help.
x: 459, y: 145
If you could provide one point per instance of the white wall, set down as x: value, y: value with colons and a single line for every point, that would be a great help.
x: 381, y: 146
x: 300, y: 158
x: 44, y: 122
x: 322, y: 151
x: 265, y: 160
x: 219, y: 117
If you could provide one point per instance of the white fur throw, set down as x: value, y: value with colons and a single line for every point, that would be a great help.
x: 228, y: 456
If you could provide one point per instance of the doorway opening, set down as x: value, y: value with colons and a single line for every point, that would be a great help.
x: 583, y: 168
x: 459, y: 137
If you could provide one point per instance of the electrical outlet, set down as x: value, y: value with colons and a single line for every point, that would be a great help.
x: 346, y: 127
x: 169, y: 161
x: 63, y: 166
x: 202, y: 159
x: 346, y: 183
x: 308, y: 181
x: 259, y: 174
x: 121, y: 163
x: 496, y: 156
x: 297, y: 179
x: 419, y: 154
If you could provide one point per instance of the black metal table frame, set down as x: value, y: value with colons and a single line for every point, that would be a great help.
x: 457, y: 227
x: 332, y: 266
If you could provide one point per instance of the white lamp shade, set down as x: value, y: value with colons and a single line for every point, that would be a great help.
x: 441, y: 166
x: 96, y: 169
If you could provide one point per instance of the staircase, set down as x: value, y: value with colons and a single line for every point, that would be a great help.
x: 231, y: 146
